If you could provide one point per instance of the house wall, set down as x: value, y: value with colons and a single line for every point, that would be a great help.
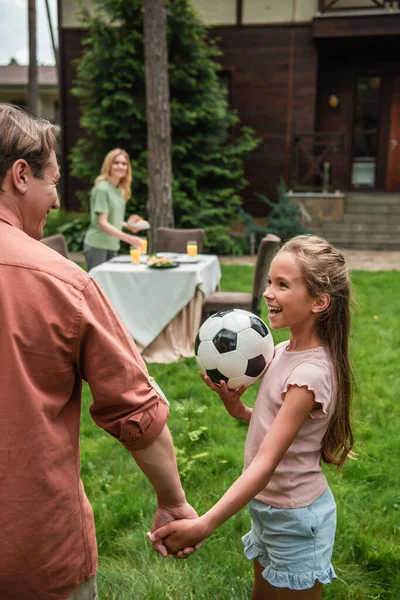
x: 346, y: 4
x: 214, y: 13
x: 263, y: 12
x: 224, y: 12
x: 273, y: 88
x: 46, y: 103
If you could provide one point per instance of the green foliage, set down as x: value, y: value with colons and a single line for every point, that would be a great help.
x: 71, y: 225
x: 74, y: 232
x: 367, y: 547
x: 54, y: 220
x: 207, y: 161
x: 284, y: 218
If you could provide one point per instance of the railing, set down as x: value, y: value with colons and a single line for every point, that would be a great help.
x: 317, y: 162
x: 331, y: 6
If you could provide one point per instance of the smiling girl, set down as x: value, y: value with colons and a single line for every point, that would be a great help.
x: 301, y: 416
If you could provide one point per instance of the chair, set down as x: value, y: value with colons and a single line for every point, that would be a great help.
x: 245, y: 300
x: 174, y: 240
x: 56, y: 242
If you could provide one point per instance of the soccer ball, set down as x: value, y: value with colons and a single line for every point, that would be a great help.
x: 234, y: 345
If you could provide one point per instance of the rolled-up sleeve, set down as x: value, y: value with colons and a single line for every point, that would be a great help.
x: 126, y: 402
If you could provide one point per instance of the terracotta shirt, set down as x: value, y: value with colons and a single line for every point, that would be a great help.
x: 56, y: 329
x: 298, y: 479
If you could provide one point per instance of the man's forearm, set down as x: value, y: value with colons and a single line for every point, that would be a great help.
x: 158, y: 463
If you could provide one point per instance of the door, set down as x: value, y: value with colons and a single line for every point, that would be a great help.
x: 366, y: 157
x: 393, y: 165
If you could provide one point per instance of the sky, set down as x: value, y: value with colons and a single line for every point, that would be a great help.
x: 14, y: 31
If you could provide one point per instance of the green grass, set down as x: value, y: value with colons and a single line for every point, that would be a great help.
x: 210, y: 452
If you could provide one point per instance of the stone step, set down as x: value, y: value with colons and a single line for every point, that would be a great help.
x: 369, y: 218
x: 378, y: 209
x: 374, y: 199
x: 366, y: 244
x: 370, y: 228
x: 361, y: 240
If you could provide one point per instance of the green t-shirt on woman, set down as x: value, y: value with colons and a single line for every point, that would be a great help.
x: 108, y: 199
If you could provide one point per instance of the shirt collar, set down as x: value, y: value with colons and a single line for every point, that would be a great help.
x: 8, y: 216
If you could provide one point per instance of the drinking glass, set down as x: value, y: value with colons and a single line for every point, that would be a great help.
x: 144, y: 246
x: 135, y: 255
x: 191, y: 248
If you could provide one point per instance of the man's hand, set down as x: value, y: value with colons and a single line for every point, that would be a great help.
x: 169, y: 514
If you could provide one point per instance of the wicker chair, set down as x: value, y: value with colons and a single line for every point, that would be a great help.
x: 174, y: 240
x: 56, y: 242
x: 245, y: 300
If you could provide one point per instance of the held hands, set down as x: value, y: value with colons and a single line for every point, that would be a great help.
x: 170, y: 517
x: 180, y: 538
x: 230, y: 398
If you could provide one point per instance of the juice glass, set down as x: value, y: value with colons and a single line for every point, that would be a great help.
x: 191, y: 248
x: 144, y: 246
x: 135, y: 255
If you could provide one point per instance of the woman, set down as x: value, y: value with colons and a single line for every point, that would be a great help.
x: 108, y: 199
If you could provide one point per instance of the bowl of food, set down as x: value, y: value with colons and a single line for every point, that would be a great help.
x: 157, y: 261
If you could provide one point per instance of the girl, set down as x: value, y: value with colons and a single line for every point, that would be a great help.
x: 301, y: 415
x: 108, y: 198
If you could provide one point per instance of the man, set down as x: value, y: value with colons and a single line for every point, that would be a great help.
x: 57, y: 329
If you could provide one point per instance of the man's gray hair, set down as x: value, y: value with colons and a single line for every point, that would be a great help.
x: 24, y: 137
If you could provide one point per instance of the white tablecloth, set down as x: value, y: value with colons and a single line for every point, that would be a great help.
x: 148, y: 299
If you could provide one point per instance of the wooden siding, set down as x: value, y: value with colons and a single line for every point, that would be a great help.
x: 273, y: 88
x: 355, y: 26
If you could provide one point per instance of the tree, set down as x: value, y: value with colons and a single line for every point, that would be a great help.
x: 207, y: 159
x: 159, y: 204
x: 33, y: 79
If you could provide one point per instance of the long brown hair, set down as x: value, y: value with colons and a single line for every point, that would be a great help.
x: 323, y: 270
x: 126, y: 182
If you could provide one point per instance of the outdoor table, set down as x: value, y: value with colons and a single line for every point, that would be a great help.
x: 160, y: 307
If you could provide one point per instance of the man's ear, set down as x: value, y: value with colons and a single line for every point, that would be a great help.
x: 20, y: 173
x: 321, y: 303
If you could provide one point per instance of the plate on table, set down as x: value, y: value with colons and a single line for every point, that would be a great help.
x: 139, y: 225
x: 168, y: 265
x: 161, y: 261
x: 187, y: 260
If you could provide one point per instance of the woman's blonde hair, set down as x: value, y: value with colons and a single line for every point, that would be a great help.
x: 323, y: 271
x: 24, y: 137
x: 126, y: 182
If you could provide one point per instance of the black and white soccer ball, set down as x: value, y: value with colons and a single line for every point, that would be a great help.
x: 234, y: 345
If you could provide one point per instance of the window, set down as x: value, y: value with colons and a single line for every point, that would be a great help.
x: 366, y: 132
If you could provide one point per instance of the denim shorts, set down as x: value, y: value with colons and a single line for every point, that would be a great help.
x: 294, y: 545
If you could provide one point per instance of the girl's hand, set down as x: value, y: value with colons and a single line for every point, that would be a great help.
x: 177, y: 535
x: 230, y: 398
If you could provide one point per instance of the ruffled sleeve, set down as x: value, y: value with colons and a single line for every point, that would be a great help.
x: 318, y: 380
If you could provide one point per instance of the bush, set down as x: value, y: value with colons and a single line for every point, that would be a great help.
x: 71, y: 225
x: 284, y: 218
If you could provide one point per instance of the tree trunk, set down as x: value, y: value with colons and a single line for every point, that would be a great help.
x: 159, y: 204
x: 33, y: 71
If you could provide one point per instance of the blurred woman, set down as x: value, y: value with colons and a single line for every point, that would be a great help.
x: 111, y: 191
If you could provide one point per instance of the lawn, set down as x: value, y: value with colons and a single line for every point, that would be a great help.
x: 210, y: 445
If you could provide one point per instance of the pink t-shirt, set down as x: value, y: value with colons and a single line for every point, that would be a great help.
x: 298, y: 479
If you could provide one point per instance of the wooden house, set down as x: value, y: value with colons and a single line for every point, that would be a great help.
x: 318, y: 80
